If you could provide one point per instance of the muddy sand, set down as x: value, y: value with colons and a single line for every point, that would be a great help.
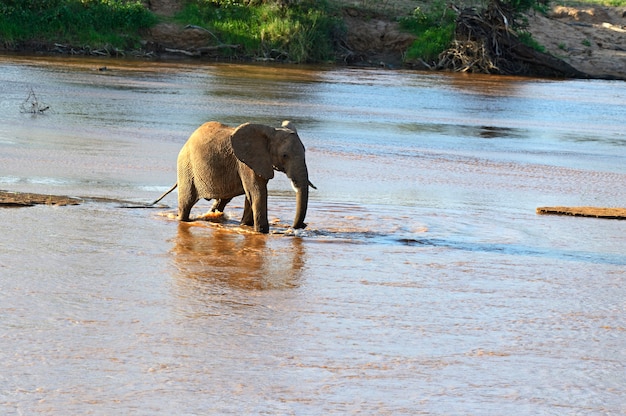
x: 25, y: 199
x: 593, y: 212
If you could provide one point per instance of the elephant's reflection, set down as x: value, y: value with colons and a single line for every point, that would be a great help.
x: 222, y: 256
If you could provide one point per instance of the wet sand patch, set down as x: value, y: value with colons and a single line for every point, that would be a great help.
x: 27, y: 199
x: 14, y: 199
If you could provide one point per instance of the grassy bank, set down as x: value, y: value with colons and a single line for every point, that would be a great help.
x: 303, y: 32
x: 82, y: 23
x: 434, y: 23
x: 295, y: 31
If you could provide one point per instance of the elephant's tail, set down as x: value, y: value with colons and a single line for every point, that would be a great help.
x: 164, y: 195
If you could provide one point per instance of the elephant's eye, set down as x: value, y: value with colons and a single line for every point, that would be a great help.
x: 285, y: 155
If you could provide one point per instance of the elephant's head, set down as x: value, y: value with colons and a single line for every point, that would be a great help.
x: 265, y: 149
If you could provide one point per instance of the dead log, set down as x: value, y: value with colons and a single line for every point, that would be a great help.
x: 205, y: 50
x: 486, y: 42
x: 182, y: 52
x: 208, y: 49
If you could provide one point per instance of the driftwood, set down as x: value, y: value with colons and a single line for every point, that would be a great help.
x: 32, y: 104
x: 205, y: 50
x: 595, y: 212
x: 485, y: 42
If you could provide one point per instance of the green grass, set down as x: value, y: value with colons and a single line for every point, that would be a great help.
x: 95, y: 23
x: 527, y: 39
x: 611, y: 3
x: 301, y: 33
x: 434, y: 27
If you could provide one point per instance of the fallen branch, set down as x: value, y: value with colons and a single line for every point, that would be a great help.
x: 486, y: 43
x: 207, y: 49
x: 202, y: 50
x: 32, y: 105
x: 182, y: 52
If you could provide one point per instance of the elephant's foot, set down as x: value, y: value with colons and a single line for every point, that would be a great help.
x: 183, y: 215
x: 247, y: 219
x: 299, y: 226
x: 265, y: 228
x: 220, y: 204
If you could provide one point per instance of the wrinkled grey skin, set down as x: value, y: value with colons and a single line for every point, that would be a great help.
x: 221, y: 162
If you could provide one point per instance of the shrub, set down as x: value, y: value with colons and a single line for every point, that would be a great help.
x: 434, y: 29
x: 300, y: 33
x: 527, y: 39
x: 96, y: 22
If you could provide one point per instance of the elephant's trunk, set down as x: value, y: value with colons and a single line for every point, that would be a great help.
x: 302, y: 200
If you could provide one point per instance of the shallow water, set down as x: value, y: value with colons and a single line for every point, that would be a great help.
x: 425, y: 282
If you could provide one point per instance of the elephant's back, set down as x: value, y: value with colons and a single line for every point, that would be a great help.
x: 207, y: 158
x: 210, y: 132
x: 211, y: 139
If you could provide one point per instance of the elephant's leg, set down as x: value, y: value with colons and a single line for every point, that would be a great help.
x: 259, y: 209
x: 187, y: 198
x: 187, y: 192
x: 220, y: 204
x: 247, y: 218
x: 255, y: 188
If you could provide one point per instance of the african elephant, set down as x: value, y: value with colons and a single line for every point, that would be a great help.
x: 221, y: 162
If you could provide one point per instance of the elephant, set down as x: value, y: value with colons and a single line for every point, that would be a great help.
x: 221, y: 162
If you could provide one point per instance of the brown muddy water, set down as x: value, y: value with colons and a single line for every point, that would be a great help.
x: 424, y: 284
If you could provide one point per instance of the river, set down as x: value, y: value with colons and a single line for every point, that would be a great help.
x: 425, y: 283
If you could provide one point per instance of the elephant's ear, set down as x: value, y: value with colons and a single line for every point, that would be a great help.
x: 251, y: 146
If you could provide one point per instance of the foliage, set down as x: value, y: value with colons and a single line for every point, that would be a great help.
x: 434, y: 28
x: 95, y: 22
x: 521, y: 6
x: 611, y: 3
x: 527, y: 39
x: 303, y: 32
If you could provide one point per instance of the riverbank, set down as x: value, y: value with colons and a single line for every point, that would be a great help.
x: 590, y: 38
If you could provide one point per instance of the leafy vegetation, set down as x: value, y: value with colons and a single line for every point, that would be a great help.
x: 527, y: 39
x: 289, y: 30
x: 434, y: 25
x: 96, y: 23
x: 303, y: 32
x: 434, y: 28
x: 611, y: 3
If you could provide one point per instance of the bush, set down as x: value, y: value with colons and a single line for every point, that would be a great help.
x: 434, y: 29
x: 95, y: 22
x: 300, y: 33
x: 527, y: 39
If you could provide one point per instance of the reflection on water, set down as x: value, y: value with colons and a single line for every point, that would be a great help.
x: 424, y: 283
x: 223, y: 258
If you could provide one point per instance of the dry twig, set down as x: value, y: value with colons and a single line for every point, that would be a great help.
x: 32, y: 105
